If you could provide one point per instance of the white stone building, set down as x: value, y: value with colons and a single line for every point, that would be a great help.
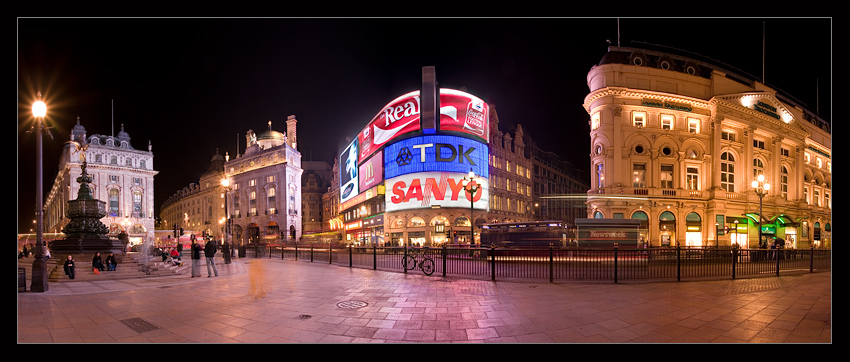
x: 122, y: 176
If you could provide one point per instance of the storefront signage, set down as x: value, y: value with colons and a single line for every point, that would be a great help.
x: 436, y: 153
x: 363, y: 196
x: 666, y: 105
x: 766, y: 109
x: 429, y: 189
x: 459, y: 112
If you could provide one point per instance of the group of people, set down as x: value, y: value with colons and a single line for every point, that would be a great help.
x: 209, y: 249
x: 97, y: 263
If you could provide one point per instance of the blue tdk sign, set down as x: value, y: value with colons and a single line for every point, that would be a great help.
x: 436, y: 153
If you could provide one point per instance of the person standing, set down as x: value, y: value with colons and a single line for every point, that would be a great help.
x: 179, y: 248
x: 69, y: 267
x: 196, y: 259
x: 209, y: 253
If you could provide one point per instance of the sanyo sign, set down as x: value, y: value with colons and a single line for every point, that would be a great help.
x: 434, y: 189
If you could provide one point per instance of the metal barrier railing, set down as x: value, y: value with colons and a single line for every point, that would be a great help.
x: 552, y: 264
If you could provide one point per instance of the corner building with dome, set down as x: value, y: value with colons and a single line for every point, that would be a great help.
x: 677, y: 142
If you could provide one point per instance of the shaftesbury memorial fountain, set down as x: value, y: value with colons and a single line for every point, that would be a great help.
x: 85, y: 233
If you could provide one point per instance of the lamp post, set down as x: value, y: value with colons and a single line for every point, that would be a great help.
x: 471, y: 187
x: 39, y: 265
x: 760, y: 187
x: 225, y: 183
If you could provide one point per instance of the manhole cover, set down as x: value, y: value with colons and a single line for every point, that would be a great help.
x: 139, y: 325
x: 351, y: 304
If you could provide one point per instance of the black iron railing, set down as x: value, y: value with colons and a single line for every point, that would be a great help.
x: 564, y: 264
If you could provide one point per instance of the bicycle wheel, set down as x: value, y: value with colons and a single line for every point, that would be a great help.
x: 408, y: 262
x: 427, y: 266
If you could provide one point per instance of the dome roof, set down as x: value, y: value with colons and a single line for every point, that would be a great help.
x: 271, y: 135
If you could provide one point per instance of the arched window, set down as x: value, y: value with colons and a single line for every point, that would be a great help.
x: 783, y: 183
x: 113, y: 202
x: 416, y: 221
x: 727, y: 172
x: 598, y: 215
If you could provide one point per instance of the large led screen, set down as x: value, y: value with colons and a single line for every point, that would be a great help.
x: 348, y: 170
x: 436, y: 153
x: 464, y: 113
x: 401, y: 116
x: 427, y: 189
x: 371, y: 171
x: 459, y: 112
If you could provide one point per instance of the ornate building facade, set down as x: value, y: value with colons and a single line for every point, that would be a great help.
x: 122, y: 176
x: 677, y: 141
x: 261, y: 198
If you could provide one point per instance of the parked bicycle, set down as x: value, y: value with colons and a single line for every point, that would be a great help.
x: 426, y: 263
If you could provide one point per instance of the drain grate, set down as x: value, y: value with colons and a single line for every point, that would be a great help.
x: 305, y: 316
x: 352, y: 304
x: 139, y: 325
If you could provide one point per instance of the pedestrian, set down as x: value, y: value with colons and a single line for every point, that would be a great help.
x: 25, y: 252
x: 225, y: 250
x: 179, y: 249
x: 69, y: 267
x: 196, y: 259
x: 97, y: 262
x: 111, y: 263
x: 257, y: 279
x: 209, y: 253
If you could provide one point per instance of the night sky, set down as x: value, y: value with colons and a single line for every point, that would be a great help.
x: 191, y: 86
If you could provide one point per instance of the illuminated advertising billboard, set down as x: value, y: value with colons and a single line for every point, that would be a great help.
x: 348, y: 170
x: 401, y: 116
x: 459, y: 112
x: 464, y: 113
x: 436, y: 153
x: 427, y: 189
x: 372, y: 171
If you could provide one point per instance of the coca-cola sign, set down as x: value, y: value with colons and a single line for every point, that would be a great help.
x: 459, y: 112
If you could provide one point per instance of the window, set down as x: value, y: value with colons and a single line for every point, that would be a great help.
x: 666, y: 176
x: 728, y: 135
x: 269, y: 179
x: 727, y: 172
x: 693, y: 125
x: 594, y: 121
x: 137, y: 203
x: 692, y: 178
x: 600, y: 178
x: 806, y: 195
x: 271, y: 200
x: 817, y: 198
x: 758, y: 168
x: 113, y: 202
x: 758, y: 144
x: 785, y: 152
x: 639, y: 175
x: 783, y: 183
x: 826, y: 200
x: 667, y: 122
x: 639, y: 119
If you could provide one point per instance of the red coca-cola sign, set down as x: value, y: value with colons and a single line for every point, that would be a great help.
x: 464, y: 113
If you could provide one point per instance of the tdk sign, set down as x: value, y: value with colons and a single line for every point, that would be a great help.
x: 436, y: 153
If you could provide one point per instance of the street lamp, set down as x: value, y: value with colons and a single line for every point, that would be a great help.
x: 760, y: 187
x: 225, y: 183
x: 471, y: 187
x: 39, y: 265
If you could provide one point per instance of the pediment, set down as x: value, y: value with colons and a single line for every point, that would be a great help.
x: 765, y: 107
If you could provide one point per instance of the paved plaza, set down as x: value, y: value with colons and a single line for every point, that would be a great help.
x: 287, y: 301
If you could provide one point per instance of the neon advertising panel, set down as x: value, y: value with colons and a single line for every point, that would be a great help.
x: 436, y: 153
x: 464, y: 113
x: 459, y: 112
x: 372, y: 171
x: 427, y: 189
x: 348, y: 170
x: 401, y: 116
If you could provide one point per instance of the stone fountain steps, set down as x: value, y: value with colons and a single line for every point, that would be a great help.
x: 129, y: 266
